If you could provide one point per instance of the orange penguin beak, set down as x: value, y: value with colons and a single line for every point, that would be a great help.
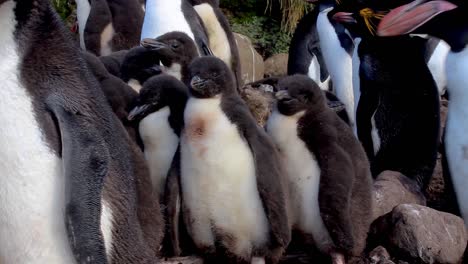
x: 344, y: 17
x: 407, y: 18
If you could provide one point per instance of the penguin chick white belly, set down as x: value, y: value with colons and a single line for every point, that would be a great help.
x: 32, y: 193
x: 303, y: 176
x: 160, y: 143
x: 219, y: 181
x: 456, y: 137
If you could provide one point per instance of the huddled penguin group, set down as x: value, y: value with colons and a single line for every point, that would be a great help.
x: 133, y: 144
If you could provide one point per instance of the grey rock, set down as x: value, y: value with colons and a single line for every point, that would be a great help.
x: 393, y: 188
x: 419, y: 234
x: 252, y: 65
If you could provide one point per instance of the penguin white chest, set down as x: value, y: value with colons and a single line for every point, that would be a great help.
x: 83, y: 9
x: 219, y: 179
x: 217, y: 37
x: 303, y: 176
x: 456, y: 137
x: 160, y: 145
x: 163, y: 16
x: 32, y: 227
x: 338, y: 61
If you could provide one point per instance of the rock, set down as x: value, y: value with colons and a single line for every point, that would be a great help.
x: 393, y: 188
x: 276, y: 65
x: 252, y: 65
x: 419, y: 234
x: 380, y: 256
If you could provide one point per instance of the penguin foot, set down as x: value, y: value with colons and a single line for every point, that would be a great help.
x: 257, y: 260
x: 338, y: 258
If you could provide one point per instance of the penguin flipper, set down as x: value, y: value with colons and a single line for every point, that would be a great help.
x: 270, y: 185
x: 268, y: 171
x: 335, y: 199
x: 206, y: 49
x: 85, y: 162
x: 173, y: 203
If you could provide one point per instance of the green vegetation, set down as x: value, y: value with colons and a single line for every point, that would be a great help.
x: 268, y: 23
x: 265, y: 33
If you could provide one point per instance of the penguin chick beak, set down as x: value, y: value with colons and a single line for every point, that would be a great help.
x: 344, y: 17
x: 153, y: 44
x: 407, y: 18
x: 336, y: 106
x: 283, y: 95
x: 138, y: 111
x: 197, y: 82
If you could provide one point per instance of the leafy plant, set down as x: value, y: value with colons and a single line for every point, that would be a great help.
x: 292, y: 11
x: 264, y: 32
x: 63, y: 7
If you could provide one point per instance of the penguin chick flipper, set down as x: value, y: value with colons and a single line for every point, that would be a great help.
x: 173, y: 204
x: 270, y: 182
x: 85, y: 162
x: 335, y: 199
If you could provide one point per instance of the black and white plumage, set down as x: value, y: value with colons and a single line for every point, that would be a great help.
x: 233, y: 201
x: 220, y: 36
x: 70, y: 170
x: 159, y: 111
x: 163, y: 16
x: 397, y: 133
x: 109, y: 25
x: 447, y: 21
x: 329, y: 179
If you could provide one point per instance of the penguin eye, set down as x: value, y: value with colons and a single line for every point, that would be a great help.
x: 214, y: 74
x: 175, y: 45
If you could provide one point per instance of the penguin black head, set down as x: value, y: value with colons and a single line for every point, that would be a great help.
x: 444, y: 19
x: 364, y: 17
x: 358, y: 17
x: 209, y: 77
x: 140, y: 64
x: 173, y: 47
x: 299, y: 93
x: 158, y: 92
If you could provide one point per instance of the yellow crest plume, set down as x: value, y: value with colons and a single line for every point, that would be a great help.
x: 368, y: 14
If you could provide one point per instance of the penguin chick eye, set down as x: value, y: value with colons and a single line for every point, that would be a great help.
x: 175, y: 45
x: 215, y: 75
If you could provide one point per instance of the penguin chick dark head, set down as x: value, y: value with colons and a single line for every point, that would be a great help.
x: 158, y: 92
x: 209, y: 77
x: 140, y: 64
x: 173, y: 47
x: 299, y: 93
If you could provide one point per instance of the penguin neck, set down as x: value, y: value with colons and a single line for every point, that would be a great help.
x: 163, y: 16
x: 323, y: 5
x: 457, y: 76
x: 451, y: 26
